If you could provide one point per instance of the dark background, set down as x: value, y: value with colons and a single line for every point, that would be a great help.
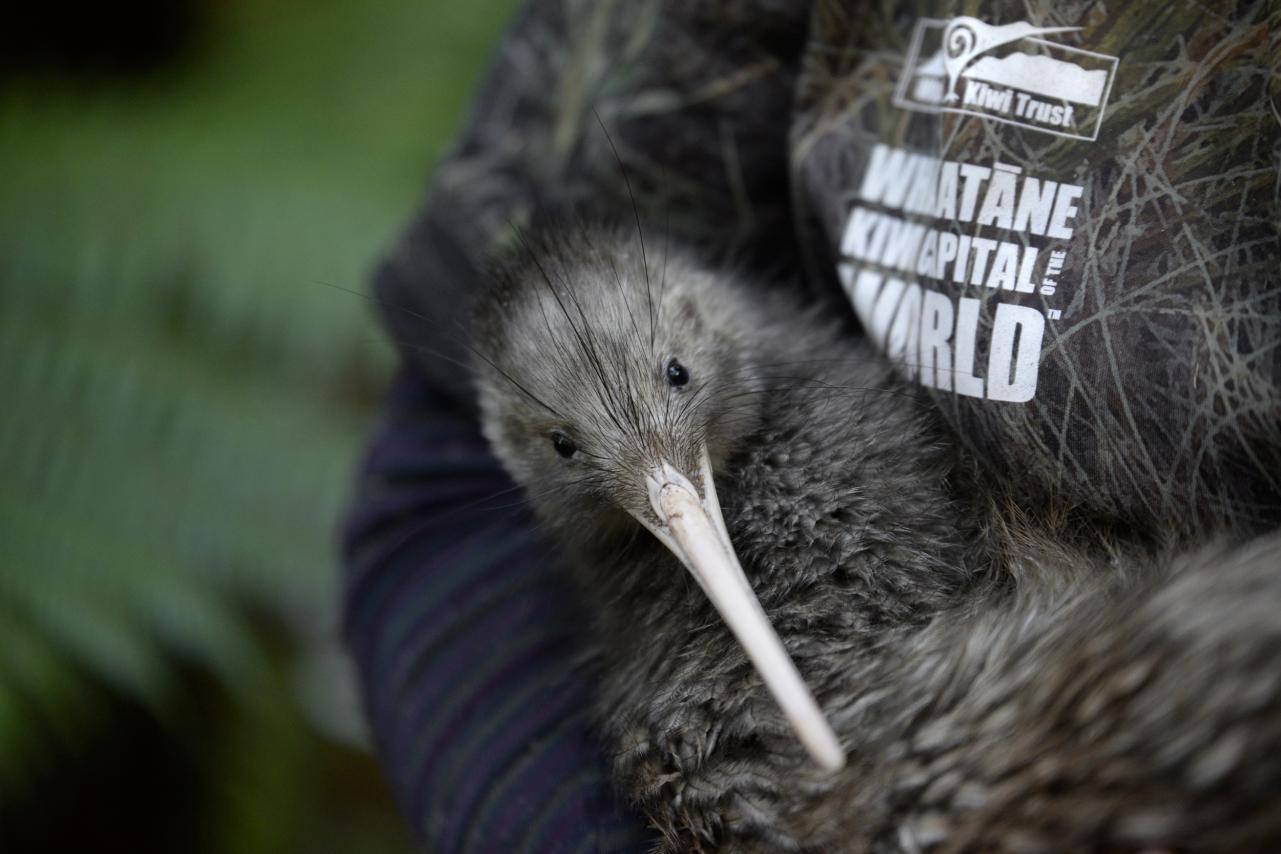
x: 188, y: 192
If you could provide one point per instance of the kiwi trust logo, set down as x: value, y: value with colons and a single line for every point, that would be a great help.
x: 1008, y: 73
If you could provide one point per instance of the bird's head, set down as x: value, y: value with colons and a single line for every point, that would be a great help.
x: 604, y: 367
x: 614, y: 378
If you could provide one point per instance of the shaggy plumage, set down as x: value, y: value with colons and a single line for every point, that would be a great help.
x: 998, y: 682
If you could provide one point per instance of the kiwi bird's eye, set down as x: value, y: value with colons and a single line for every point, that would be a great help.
x: 677, y: 374
x: 563, y: 444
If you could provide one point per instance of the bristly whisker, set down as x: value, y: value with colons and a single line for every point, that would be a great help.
x: 582, y: 335
x: 515, y: 383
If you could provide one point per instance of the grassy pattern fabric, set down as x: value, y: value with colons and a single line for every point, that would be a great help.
x: 1160, y: 394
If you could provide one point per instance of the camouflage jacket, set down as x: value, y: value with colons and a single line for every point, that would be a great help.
x: 1062, y: 220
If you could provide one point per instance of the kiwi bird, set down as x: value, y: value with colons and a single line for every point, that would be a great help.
x: 814, y: 631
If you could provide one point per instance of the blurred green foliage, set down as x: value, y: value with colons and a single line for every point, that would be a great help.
x: 185, y: 385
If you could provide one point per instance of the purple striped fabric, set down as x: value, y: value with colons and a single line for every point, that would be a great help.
x: 465, y: 638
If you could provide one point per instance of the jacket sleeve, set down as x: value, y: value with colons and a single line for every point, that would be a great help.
x: 464, y: 640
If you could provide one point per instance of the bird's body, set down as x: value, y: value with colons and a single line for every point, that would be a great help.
x: 991, y: 687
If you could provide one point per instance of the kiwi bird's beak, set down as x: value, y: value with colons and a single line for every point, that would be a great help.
x: 694, y: 530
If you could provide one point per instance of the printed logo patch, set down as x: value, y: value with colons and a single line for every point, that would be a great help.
x: 1007, y: 73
